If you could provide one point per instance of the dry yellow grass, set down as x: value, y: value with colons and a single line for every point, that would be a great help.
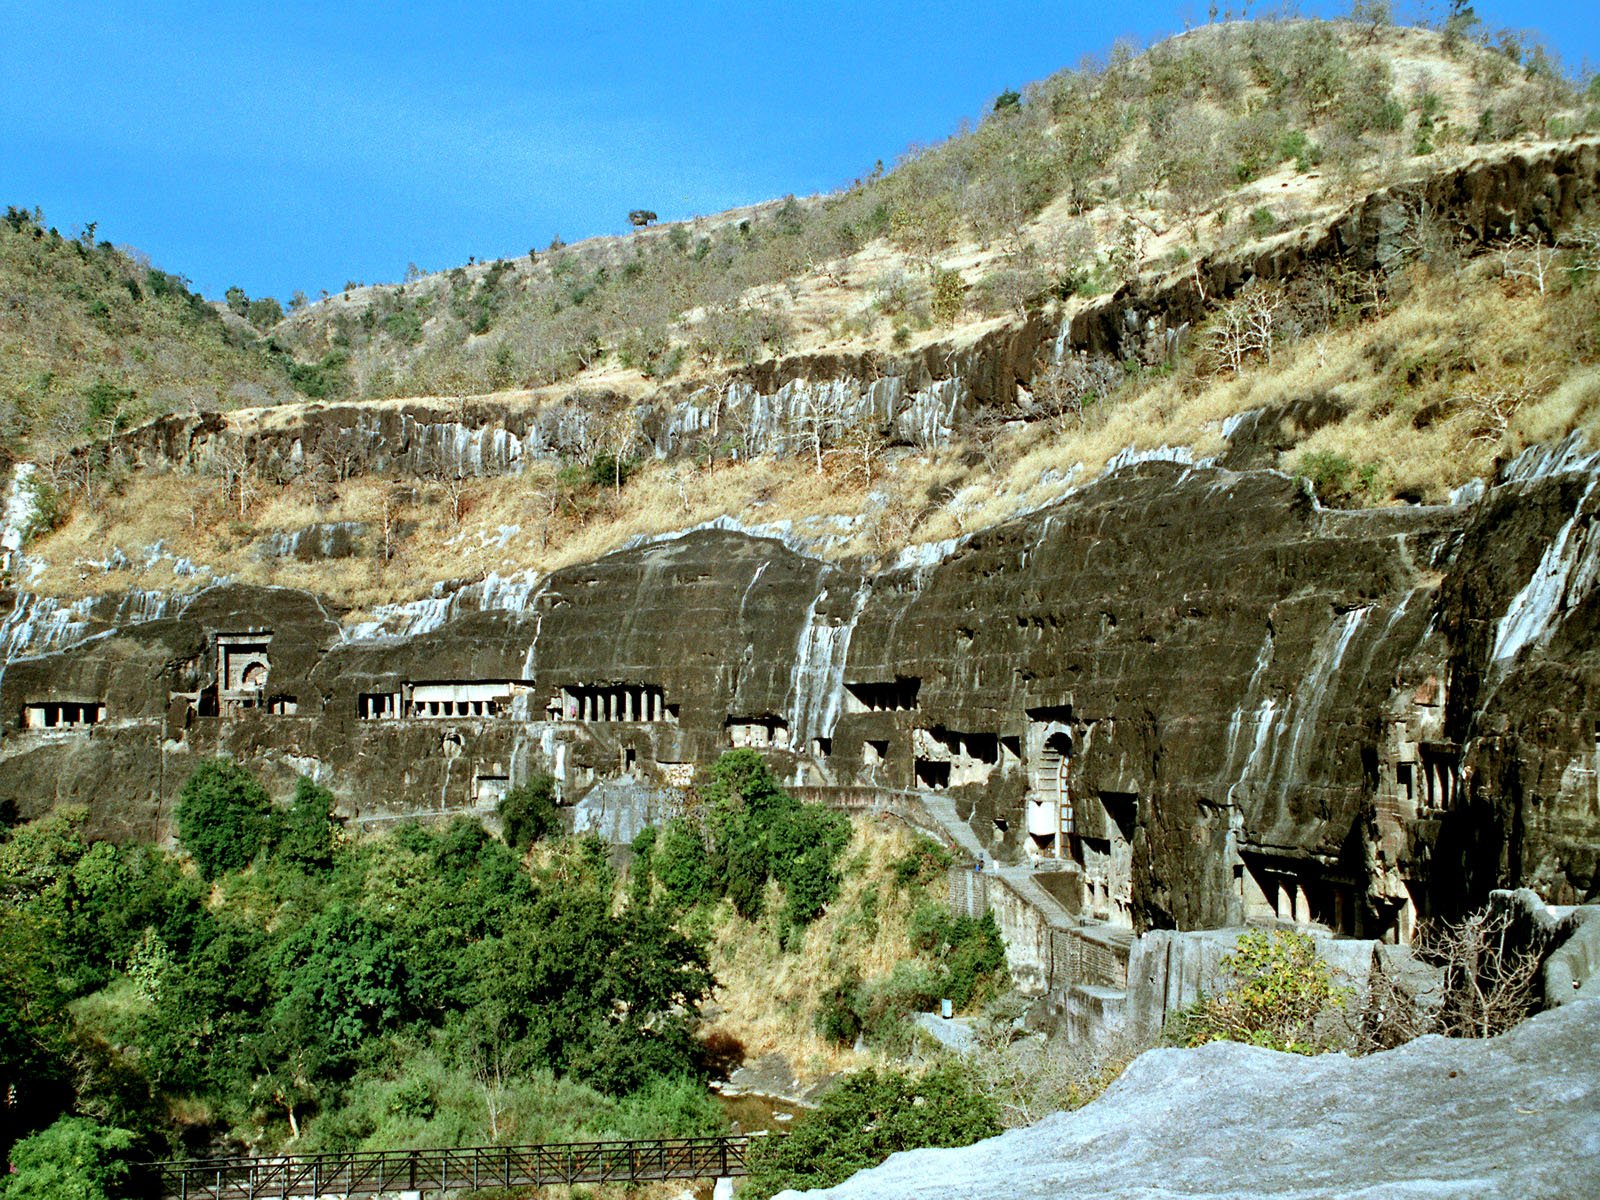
x: 1463, y: 364
x: 767, y: 998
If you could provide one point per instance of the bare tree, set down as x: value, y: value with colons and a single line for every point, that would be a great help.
x: 1246, y: 326
x: 1526, y: 257
x: 1583, y: 240
x: 1477, y: 980
x: 486, y: 1052
x: 237, y: 470
x: 546, y: 495
x: 1065, y: 388
x: 1489, y: 975
x: 618, y: 435
x: 1493, y: 408
x: 819, y: 420
x: 864, y: 441
x: 454, y: 485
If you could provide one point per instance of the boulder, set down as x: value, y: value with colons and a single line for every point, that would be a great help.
x: 1510, y: 1118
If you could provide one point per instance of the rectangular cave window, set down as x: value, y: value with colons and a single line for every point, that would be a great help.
x: 984, y: 747
x: 489, y: 790
x: 933, y: 775
x: 1122, y: 809
x: 761, y: 733
x: 897, y: 695
x: 63, y: 714
x: 1011, y: 752
x: 874, y: 751
x: 1405, y: 783
x: 283, y: 706
x: 1050, y: 712
x: 821, y: 747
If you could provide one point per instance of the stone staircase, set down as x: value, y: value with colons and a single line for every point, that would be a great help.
x: 1078, y: 967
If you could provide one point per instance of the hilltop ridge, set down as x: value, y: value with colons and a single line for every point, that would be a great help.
x: 930, y: 350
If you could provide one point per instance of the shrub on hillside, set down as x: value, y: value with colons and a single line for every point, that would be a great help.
x: 264, y: 312
x: 224, y: 817
x: 74, y: 1159
x: 305, y: 836
x: 759, y: 832
x: 866, y: 1118
x: 1280, y: 994
x: 528, y: 812
x: 681, y: 864
x: 1338, y: 482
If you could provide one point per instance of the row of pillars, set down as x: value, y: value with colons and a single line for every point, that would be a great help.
x: 615, y: 704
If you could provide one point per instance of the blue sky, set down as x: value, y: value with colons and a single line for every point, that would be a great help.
x: 298, y: 145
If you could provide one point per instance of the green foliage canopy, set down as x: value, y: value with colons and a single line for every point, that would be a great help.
x: 759, y: 832
x: 224, y: 817
x: 866, y: 1118
x: 528, y: 812
x: 1280, y: 991
x: 74, y: 1159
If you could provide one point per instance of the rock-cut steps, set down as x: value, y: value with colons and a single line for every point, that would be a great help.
x: 1045, y: 942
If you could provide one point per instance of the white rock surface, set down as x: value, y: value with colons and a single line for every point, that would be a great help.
x: 1513, y: 1118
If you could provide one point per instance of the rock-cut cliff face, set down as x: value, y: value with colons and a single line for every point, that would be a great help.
x: 1207, y: 697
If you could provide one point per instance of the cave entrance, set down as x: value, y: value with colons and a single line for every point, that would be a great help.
x: 63, y: 714
x: 766, y: 732
x: 1291, y: 890
x: 1050, y: 825
x: 1104, y: 846
x: 242, y: 669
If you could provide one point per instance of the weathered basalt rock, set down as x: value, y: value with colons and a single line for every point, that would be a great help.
x: 1219, y: 700
x: 1503, y: 1119
x: 920, y: 397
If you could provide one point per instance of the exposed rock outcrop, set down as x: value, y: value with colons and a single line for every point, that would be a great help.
x: 1213, y: 699
x: 1504, y: 1119
x: 920, y: 397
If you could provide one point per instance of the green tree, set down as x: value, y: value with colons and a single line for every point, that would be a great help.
x: 224, y: 817
x: 1281, y: 989
x: 74, y: 1159
x: 34, y: 1032
x: 604, y: 997
x: 345, y: 980
x: 681, y: 864
x: 264, y: 312
x: 306, y: 839
x: 201, y: 1035
x: 759, y: 832
x: 238, y: 302
x: 528, y: 811
x: 866, y: 1118
x: 104, y: 406
x: 948, y: 295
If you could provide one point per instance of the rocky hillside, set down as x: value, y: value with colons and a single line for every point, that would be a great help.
x: 1403, y: 339
x: 96, y: 339
x: 1096, y: 176
x: 1283, y: 544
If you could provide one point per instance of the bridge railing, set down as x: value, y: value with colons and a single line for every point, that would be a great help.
x: 368, y: 1172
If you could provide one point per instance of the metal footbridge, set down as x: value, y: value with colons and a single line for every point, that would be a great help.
x: 380, y: 1172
